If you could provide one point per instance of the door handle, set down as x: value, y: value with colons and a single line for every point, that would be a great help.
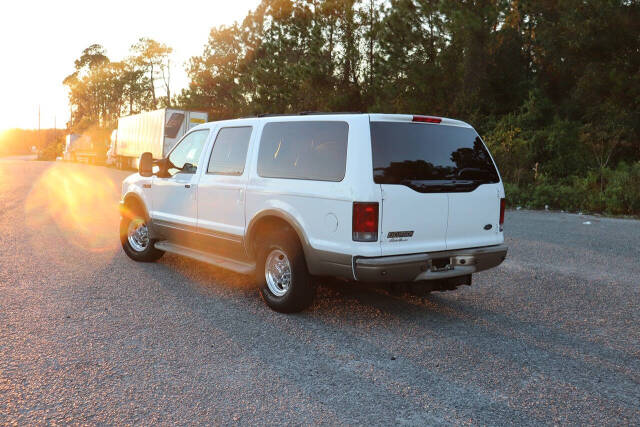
x: 187, y: 186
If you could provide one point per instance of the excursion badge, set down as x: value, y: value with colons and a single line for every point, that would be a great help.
x: 399, y: 236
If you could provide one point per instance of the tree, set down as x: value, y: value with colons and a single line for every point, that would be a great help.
x: 553, y: 86
x: 154, y: 58
x: 101, y: 90
x: 216, y: 74
x: 89, y: 88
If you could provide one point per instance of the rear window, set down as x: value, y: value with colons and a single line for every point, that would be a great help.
x: 430, y: 158
x: 312, y: 150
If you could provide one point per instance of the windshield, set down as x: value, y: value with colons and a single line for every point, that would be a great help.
x: 430, y: 158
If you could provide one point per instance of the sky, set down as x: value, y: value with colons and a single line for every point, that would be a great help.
x: 40, y: 39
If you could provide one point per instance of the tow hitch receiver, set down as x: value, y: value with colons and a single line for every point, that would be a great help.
x: 441, y: 264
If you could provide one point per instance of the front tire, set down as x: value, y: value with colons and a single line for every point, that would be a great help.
x: 286, y: 285
x: 136, y: 243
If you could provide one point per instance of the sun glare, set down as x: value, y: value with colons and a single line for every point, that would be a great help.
x: 81, y: 202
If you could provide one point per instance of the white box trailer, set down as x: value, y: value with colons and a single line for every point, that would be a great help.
x: 81, y: 148
x: 154, y: 131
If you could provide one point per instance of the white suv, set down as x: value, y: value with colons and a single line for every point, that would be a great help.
x: 362, y: 197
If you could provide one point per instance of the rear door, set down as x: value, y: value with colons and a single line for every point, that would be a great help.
x: 411, y: 220
x: 474, y: 212
x: 222, y: 186
x: 439, y: 187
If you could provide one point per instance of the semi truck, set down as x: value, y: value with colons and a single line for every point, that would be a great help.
x: 84, y: 148
x: 153, y: 131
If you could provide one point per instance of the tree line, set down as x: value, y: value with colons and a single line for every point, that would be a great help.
x: 101, y: 90
x: 552, y: 86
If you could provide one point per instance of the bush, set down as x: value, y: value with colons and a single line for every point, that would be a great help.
x: 622, y: 191
x: 516, y: 195
x: 619, y: 194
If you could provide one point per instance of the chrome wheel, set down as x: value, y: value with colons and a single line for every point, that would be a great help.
x: 138, y: 235
x: 277, y: 272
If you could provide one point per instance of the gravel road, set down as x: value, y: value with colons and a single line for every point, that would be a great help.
x: 87, y: 336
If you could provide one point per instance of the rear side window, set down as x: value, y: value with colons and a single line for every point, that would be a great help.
x: 230, y: 151
x: 430, y: 158
x: 310, y: 150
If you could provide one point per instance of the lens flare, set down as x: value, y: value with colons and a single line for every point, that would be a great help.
x: 4, y: 178
x: 82, y: 202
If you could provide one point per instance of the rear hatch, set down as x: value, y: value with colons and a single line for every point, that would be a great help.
x: 440, y: 188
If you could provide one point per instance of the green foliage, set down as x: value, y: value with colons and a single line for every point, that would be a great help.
x: 621, y: 194
x: 101, y: 90
x: 552, y: 86
x: 53, y: 147
x: 510, y: 149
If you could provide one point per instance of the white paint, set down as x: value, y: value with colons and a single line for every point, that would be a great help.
x: 323, y: 210
x: 331, y: 222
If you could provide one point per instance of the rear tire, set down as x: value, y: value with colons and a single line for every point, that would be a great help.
x: 285, y: 283
x: 136, y: 243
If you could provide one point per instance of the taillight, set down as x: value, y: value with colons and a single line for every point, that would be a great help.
x: 427, y: 119
x: 502, y: 205
x: 365, y: 222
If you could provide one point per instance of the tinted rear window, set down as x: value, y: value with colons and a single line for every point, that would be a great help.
x: 304, y: 150
x: 419, y: 155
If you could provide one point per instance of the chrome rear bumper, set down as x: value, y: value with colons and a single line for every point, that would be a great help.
x: 428, y: 266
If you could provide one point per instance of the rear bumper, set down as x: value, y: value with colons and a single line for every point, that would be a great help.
x: 428, y: 266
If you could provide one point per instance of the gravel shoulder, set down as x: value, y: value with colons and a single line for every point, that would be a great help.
x: 88, y: 336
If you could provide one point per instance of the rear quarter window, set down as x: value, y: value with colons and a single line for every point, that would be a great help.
x: 313, y: 150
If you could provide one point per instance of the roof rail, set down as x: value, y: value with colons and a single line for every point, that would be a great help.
x: 307, y: 113
x: 320, y: 113
x: 272, y: 115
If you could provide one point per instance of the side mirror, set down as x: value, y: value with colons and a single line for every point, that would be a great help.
x: 163, y: 168
x: 145, y: 164
x: 188, y: 168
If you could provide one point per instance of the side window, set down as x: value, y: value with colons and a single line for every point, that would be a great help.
x: 185, y: 155
x: 312, y: 150
x: 230, y: 151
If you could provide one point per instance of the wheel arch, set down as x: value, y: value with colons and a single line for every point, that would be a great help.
x: 274, y: 216
x: 131, y: 203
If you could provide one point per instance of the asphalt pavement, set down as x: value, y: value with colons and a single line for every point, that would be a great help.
x: 87, y: 336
